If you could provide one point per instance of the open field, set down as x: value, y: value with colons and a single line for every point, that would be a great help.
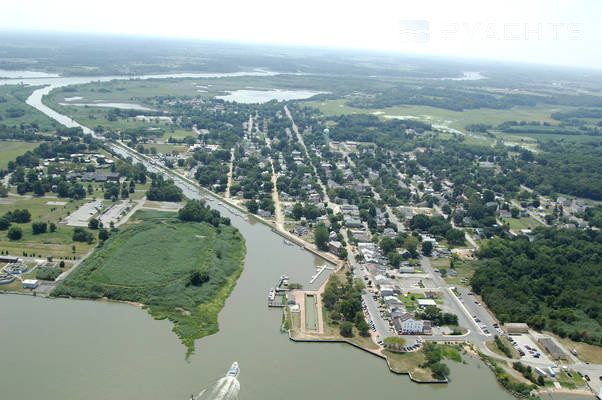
x: 166, y: 148
x: 9, y: 150
x: 14, y: 111
x: 126, y: 268
x: 522, y: 223
x: 586, y: 352
x: 57, y: 244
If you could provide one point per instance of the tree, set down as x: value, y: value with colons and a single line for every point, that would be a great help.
x: 346, y: 329
x: 297, y: 211
x: 252, y: 206
x: 410, y: 244
x: 93, y: 223
x: 455, y: 237
x: 427, y: 248
x: 395, y: 343
x: 361, y: 324
x: 4, y: 222
x: 15, y: 233
x: 440, y: 370
x: 39, y: 227
x: 52, y: 227
x: 514, y: 212
x: 82, y: 235
x: 21, y: 216
x: 103, y: 234
x: 321, y: 236
x: 198, y: 277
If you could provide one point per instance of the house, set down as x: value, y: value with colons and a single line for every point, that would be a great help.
x: 430, y: 294
x: 406, y: 270
x: 392, y: 301
x: 381, y: 280
x: 505, y: 214
x: 426, y: 303
x: 353, y: 223
x: 300, y: 230
x: 30, y: 283
x: 264, y: 213
x: 406, y: 324
x: 387, y: 290
x: 335, y: 247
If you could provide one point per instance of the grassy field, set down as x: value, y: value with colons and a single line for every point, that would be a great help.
x: 127, y: 268
x: 522, y: 223
x: 57, y: 244
x: 464, y: 269
x: 166, y: 148
x: 493, y: 347
x: 9, y: 150
x: 14, y: 111
x: 586, y: 352
x: 459, y: 119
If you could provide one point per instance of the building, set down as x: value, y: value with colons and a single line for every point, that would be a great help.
x: 516, y: 328
x: 9, y: 259
x: 387, y: 290
x: 426, y: 303
x: 406, y: 270
x: 100, y: 177
x: 30, y: 283
x: 406, y: 324
x: 335, y: 247
x: 552, y: 348
x: 430, y: 294
x: 300, y: 230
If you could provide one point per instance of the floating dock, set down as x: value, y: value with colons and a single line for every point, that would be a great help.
x: 277, y: 297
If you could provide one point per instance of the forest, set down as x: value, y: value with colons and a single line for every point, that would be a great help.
x: 553, y: 282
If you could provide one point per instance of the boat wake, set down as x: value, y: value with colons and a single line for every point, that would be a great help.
x: 226, y: 388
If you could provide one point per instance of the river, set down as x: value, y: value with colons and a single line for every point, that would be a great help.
x: 73, y: 349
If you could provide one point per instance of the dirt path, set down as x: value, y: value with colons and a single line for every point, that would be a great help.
x: 278, y: 207
x: 300, y: 139
x: 227, y: 195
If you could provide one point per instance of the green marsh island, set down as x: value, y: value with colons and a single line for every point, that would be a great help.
x: 178, y: 267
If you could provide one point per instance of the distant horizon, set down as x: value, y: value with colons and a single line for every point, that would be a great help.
x: 541, y: 32
x: 294, y: 46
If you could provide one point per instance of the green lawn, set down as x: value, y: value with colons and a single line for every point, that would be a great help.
x: 150, y: 262
x: 9, y: 150
x: 522, y: 223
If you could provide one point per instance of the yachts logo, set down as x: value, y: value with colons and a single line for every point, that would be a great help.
x: 415, y: 31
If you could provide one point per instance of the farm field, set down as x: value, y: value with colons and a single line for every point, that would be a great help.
x: 126, y: 268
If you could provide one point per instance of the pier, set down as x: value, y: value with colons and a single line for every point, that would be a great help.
x: 318, y: 272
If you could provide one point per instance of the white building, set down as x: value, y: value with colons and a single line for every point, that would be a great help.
x: 426, y: 302
x: 30, y: 283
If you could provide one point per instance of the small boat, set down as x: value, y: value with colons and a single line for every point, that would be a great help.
x: 234, y: 370
x: 288, y: 242
x: 272, y: 295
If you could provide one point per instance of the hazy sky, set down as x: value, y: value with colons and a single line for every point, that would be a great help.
x: 551, y: 31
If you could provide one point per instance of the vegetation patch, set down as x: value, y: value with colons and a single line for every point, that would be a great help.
x: 161, y: 263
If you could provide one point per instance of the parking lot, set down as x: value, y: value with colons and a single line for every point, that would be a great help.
x: 527, y: 344
x: 114, y: 213
x: 82, y: 215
